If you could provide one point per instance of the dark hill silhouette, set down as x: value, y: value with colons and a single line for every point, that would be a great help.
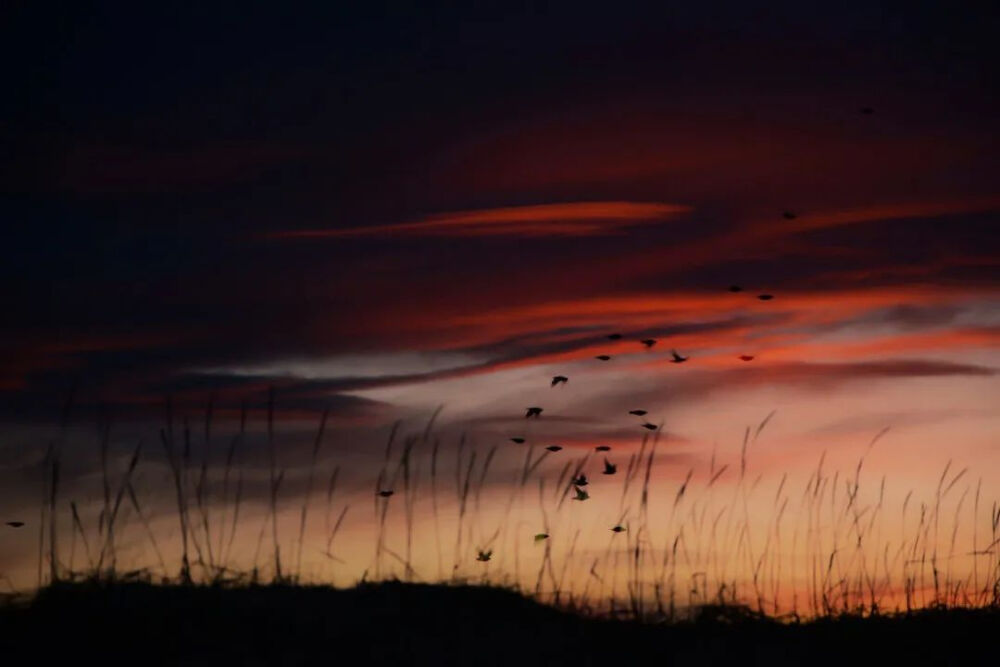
x: 416, y: 624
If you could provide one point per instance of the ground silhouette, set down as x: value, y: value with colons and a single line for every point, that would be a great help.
x: 414, y: 624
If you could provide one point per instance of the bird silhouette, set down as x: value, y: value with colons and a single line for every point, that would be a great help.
x: 788, y: 215
x: 735, y: 288
x: 386, y: 493
x: 581, y: 494
x: 484, y: 555
x: 650, y: 427
x: 539, y: 537
x: 677, y: 359
x: 765, y: 297
x: 609, y: 467
x: 614, y: 336
x: 519, y: 441
x: 618, y: 529
x: 580, y: 481
x: 554, y: 448
x: 602, y: 448
x: 603, y: 357
x: 637, y: 413
x: 746, y: 357
x: 866, y: 111
x: 559, y: 379
x: 533, y: 412
x: 15, y: 524
x: 648, y: 342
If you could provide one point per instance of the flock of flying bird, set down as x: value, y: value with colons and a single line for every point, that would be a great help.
x: 609, y: 468
x: 581, y: 481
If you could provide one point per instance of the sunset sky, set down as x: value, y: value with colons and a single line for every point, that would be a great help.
x: 383, y: 209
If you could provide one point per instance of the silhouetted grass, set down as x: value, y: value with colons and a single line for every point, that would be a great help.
x: 685, y: 549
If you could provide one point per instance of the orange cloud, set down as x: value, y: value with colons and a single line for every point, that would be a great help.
x: 715, y: 333
x: 787, y: 348
x: 566, y: 219
x: 921, y: 270
x: 769, y: 239
x: 649, y: 309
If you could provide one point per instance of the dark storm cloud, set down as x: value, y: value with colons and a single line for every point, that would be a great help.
x: 822, y: 373
x: 910, y: 317
x: 811, y: 376
x: 138, y: 376
x: 513, y: 350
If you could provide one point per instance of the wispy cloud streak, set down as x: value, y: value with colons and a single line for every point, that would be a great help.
x: 564, y: 219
